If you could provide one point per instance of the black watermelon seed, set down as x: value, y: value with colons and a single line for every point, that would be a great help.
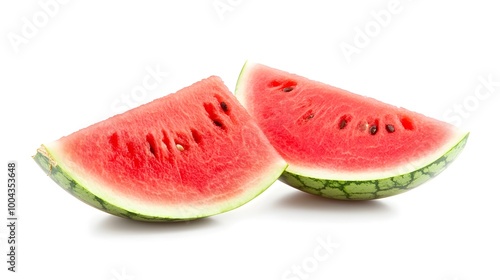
x: 288, y: 89
x: 373, y: 129
x: 342, y: 124
x: 218, y: 123
x: 390, y: 128
x: 223, y: 105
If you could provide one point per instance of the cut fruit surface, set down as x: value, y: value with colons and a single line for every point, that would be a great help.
x: 342, y: 145
x: 191, y: 154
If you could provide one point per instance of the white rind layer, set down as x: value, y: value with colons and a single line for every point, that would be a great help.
x: 168, y: 210
x: 366, y: 175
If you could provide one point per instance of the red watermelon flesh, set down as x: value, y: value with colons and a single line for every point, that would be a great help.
x: 325, y: 132
x: 187, y: 155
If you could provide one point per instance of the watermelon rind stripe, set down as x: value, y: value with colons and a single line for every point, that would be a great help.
x: 377, y: 188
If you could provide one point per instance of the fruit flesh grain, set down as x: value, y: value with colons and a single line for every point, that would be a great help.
x: 343, y: 145
x: 176, y: 158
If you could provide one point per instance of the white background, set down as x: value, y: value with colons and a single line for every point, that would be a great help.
x: 83, y: 57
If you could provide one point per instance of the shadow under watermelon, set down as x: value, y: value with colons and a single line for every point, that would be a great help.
x: 115, y: 225
x: 298, y: 204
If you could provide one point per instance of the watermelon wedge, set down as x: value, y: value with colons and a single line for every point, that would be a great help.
x: 342, y: 145
x: 187, y: 155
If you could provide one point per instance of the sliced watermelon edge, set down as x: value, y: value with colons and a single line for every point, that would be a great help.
x: 338, y: 185
x: 59, y: 174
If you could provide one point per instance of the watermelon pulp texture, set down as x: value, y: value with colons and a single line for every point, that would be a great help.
x: 190, y: 154
x: 342, y: 145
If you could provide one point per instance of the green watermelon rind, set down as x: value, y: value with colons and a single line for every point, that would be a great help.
x: 374, y: 189
x: 64, y: 179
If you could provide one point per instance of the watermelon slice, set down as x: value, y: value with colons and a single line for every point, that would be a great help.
x: 191, y: 154
x: 342, y: 145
